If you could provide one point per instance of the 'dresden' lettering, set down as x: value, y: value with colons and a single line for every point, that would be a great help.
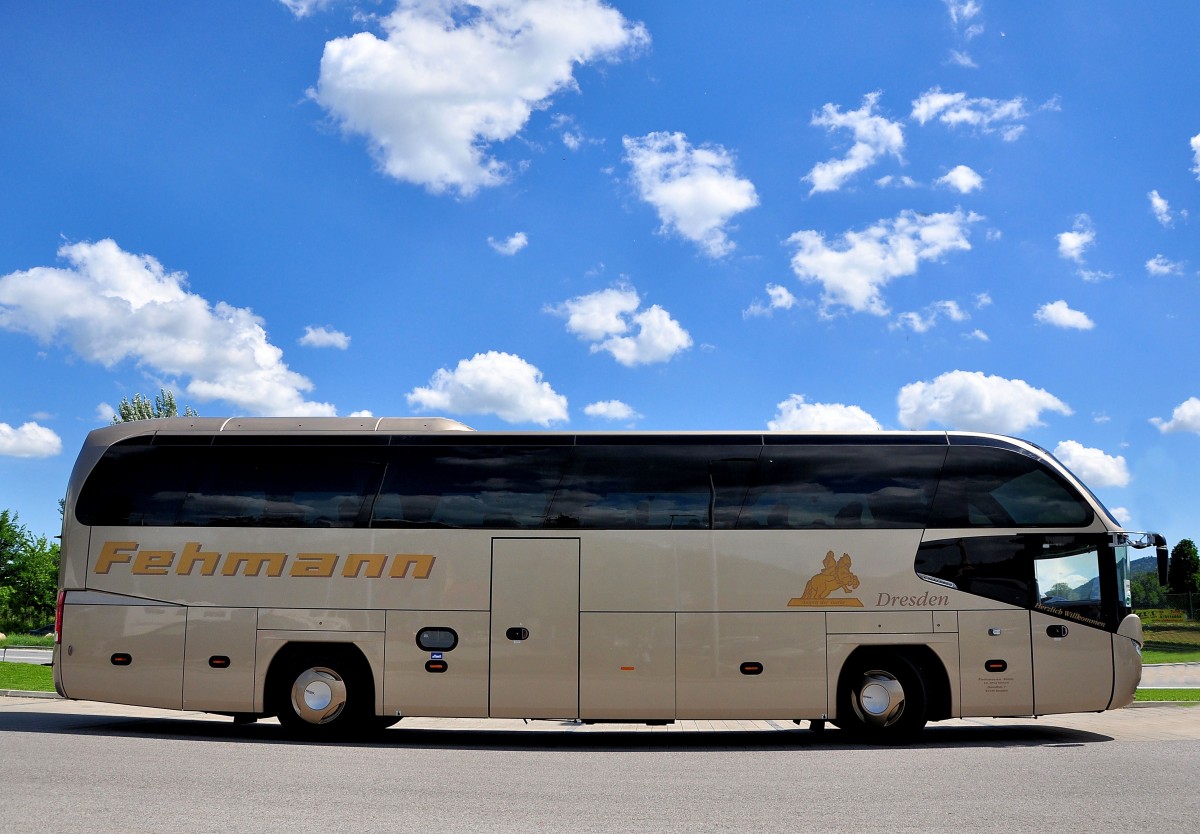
x: 923, y: 601
x: 207, y: 562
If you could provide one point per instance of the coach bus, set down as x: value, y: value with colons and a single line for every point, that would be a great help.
x: 341, y: 574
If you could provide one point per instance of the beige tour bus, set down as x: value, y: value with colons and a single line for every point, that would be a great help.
x: 341, y: 574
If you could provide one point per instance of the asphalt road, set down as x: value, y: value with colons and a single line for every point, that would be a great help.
x: 39, y: 656
x: 75, y: 766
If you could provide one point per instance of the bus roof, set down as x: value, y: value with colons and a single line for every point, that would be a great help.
x: 343, y: 426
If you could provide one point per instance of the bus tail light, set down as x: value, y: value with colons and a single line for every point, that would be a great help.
x: 58, y: 616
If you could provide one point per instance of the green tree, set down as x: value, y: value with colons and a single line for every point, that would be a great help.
x: 140, y: 408
x: 1183, y: 576
x: 1147, y: 593
x: 28, y: 576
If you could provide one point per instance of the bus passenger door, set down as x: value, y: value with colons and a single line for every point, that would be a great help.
x: 535, y: 628
x: 1073, y: 669
x: 1072, y: 659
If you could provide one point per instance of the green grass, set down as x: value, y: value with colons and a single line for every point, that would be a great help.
x: 1171, y: 642
x: 27, y: 676
x: 45, y: 641
x: 1167, y: 695
x: 1170, y: 655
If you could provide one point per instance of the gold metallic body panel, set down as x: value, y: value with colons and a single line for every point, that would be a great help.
x: 152, y: 637
x: 219, y: 632
x: 1127, y: 661
x: 1000, y: 635
x: 789, y: 645
x: 459, y: 692
x: 626, y: 666
x: 686, y: 603
x: 535, y: 586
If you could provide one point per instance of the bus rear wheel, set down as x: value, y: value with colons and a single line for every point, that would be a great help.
x: 882, y: 698
x: 321, y: 696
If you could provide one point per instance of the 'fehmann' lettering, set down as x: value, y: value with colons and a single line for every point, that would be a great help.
x: 274, y: 564
x: 925, y: 600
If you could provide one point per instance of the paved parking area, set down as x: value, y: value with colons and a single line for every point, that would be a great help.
x: 1143, y: 722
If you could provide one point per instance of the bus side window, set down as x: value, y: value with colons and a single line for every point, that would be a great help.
x: 653, y: 486
x: 996, y: 567
x: 469, y: 486
x: 136, y: 485
x: 281, y: 486
x: 985, y: 486
x: 804, y: 486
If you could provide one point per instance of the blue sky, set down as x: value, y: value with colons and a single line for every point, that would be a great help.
x: 590, y: 215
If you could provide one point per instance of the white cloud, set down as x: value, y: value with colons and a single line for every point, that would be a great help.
x: 778, y: 298
x: 1196, y: 154
x: 493, y: 383
x: 874, y: 136
x: 511, y: 246
x: 450, y: 78
x: 304, y: 8
x: 1059, y: 314
x: 1094, y: 276
x: 926, y: 320
x: 1072, y: 244
x: 971, y: 401
x: 1161, y: 208
x: 1186, y: 417
x: 896, y: 182
x: 572, y: 136
x: 364, y: 413
x: 794, y: 414
x: 854, y: 270
x: 598, y: 315
x: 1122, y: 515
x: 962, y: 11
x: 977, y: 335
x: 1161, y: 265
x: 962, y: 59
x: 110, y: 306
x: 324, y: 337
x: 611, y: 410
x: 28, y: 441
x: 105, y: 413
x: 986, y: 115
x: 1092, y: 466
x: 962, y: 179
x: 983, y: 300
x: 694, y: 189
x: 605, y: 317
x: 658, y: 338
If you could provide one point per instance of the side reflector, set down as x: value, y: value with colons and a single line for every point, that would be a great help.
x: 628, y: 668
x: 752, y: 668
x: 121, y: 659
x: 436, y: 666
x: 996, y: 665
x: 219, y: 661
x: 58, y: 612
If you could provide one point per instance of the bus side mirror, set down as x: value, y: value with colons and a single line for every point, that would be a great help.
x: 1161, y: 548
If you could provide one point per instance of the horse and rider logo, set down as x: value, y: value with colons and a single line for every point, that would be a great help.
x: 834, y: 574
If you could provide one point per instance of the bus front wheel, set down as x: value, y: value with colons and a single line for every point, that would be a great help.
x: 882, y: 698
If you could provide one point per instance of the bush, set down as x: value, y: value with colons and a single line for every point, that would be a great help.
x: 28, y: 576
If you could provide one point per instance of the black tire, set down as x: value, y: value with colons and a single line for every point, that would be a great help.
x: 325, y: 695
x: 882, y: 698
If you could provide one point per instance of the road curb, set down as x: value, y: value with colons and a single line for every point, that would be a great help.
x: 26, y: 693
